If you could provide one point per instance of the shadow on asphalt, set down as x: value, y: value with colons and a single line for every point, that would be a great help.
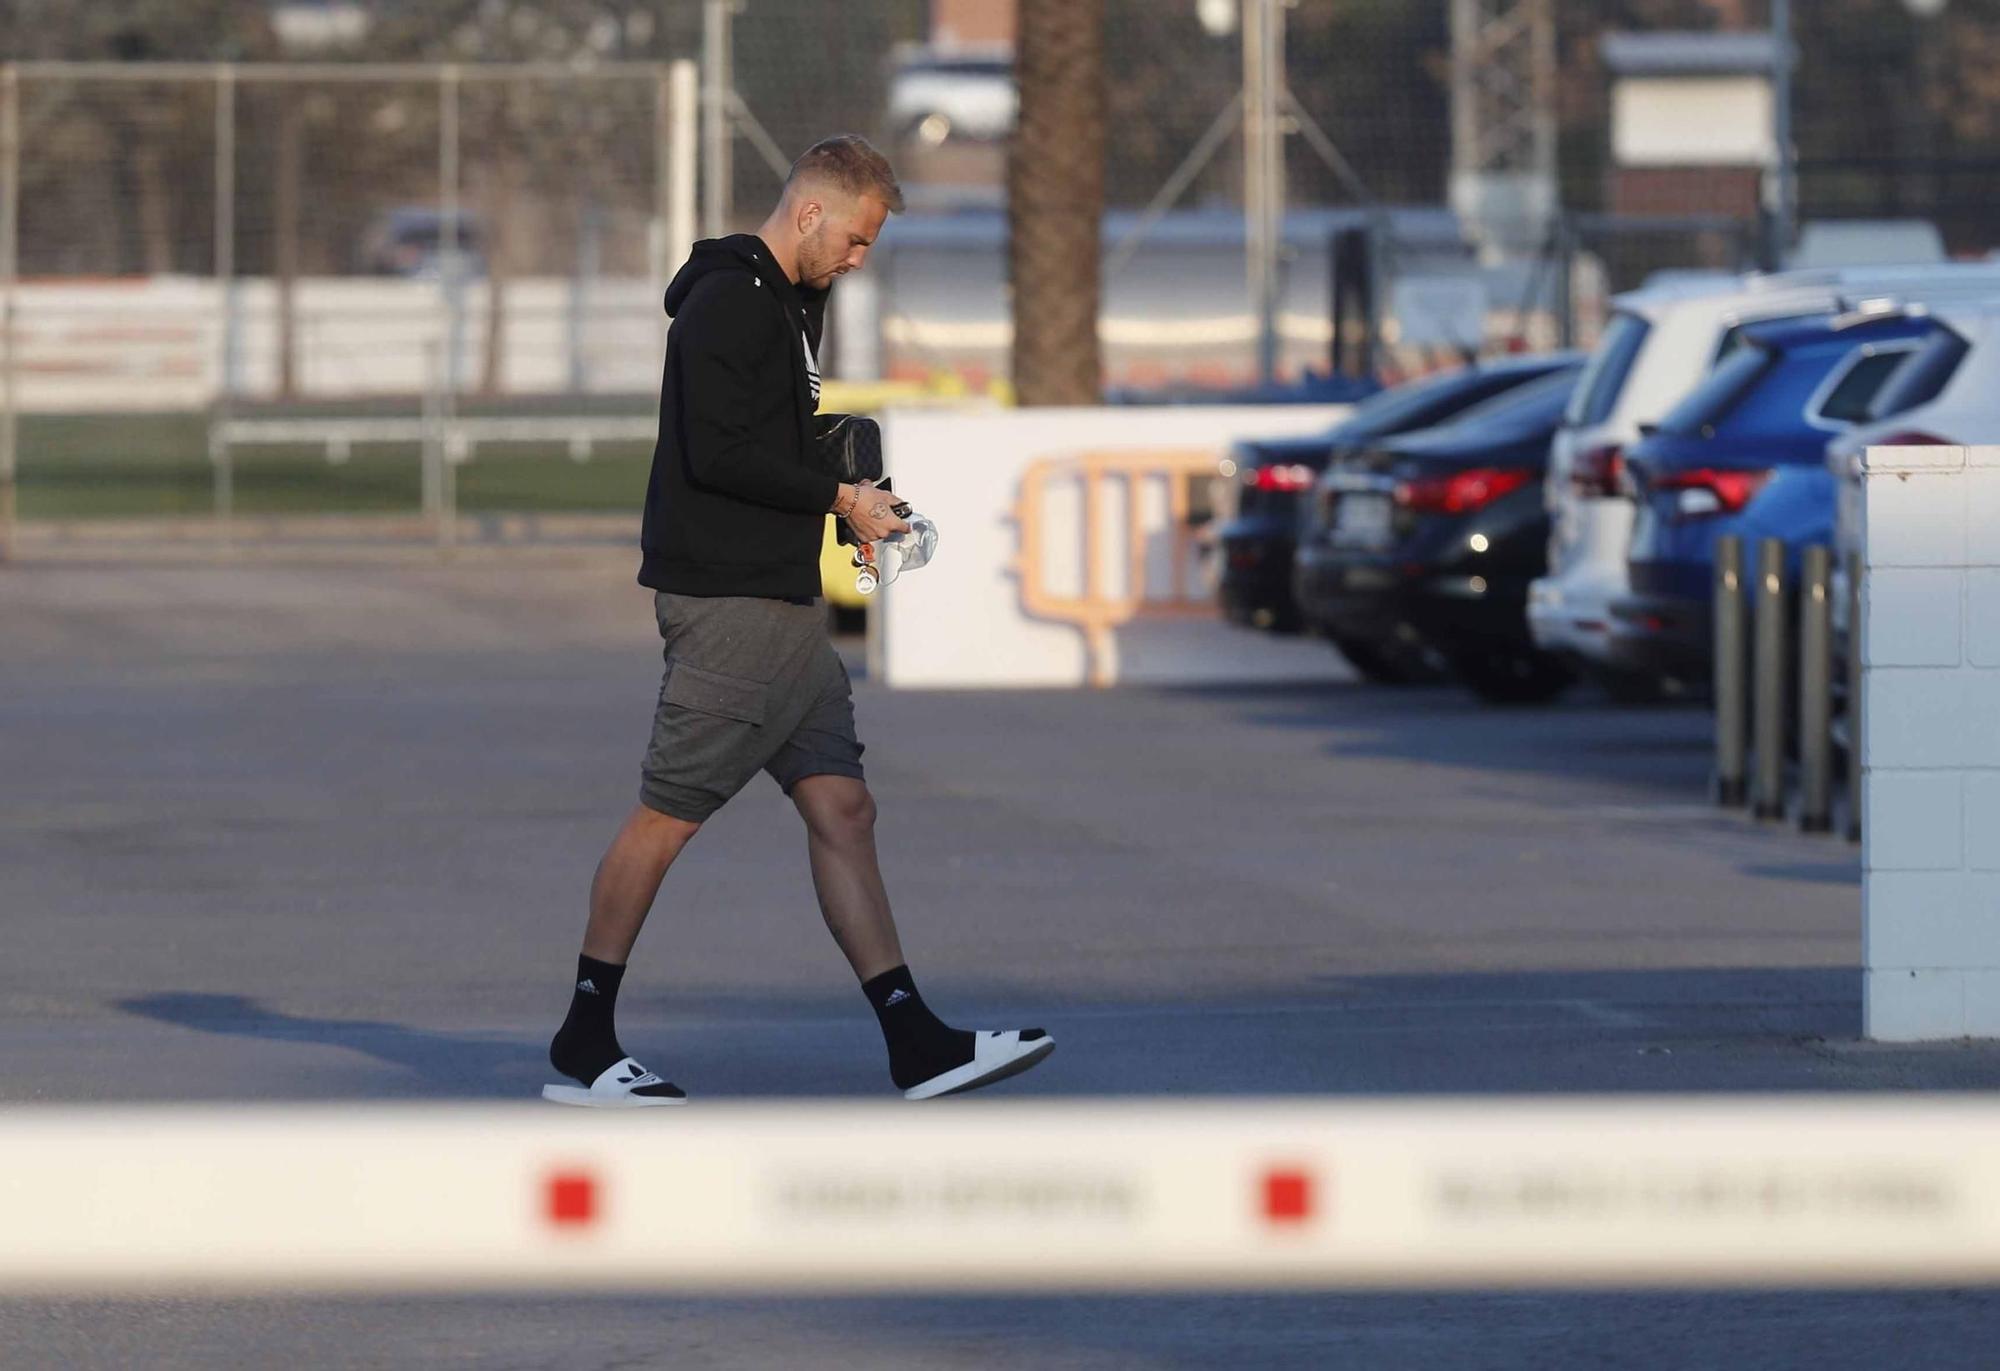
x: 452, y: 1065
x: 1666, y: 747
x: 1691, y: 1030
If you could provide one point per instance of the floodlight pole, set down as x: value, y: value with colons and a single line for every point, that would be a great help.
x: 1784, y: 197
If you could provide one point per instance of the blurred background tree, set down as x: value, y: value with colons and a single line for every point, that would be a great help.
x: 1055, y: 202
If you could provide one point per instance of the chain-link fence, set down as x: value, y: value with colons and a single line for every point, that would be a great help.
x: 356, y: 249
x: 348, y: 241
x: 276, y: 233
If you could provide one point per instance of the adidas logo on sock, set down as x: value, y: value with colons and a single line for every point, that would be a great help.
x: 896, y: 997
x: 587, y: 986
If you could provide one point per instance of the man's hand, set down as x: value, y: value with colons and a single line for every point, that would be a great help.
x: 874, y: 515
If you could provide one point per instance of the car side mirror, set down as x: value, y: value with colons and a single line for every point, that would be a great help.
x: 1648, y: 430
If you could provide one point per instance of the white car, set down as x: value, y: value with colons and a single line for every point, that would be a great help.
x: 1660, y: 342
x: 1947, y: 394
x: 954, y: 94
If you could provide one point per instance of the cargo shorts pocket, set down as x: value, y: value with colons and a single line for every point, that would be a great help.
x: 708, y: 741
x: 711, y: 692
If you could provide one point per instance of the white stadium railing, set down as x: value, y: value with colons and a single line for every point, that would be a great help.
x: 995, y: 1195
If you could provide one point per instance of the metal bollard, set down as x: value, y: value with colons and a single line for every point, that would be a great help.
x: 1853, y: 775
x: 1816, y: 691
x: 1768, y: 679
x: 1732, y: 684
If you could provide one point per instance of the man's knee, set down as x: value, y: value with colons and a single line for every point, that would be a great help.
x: 654, y: 830
x: 837, y: 809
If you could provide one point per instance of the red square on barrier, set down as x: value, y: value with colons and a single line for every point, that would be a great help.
x: 1288, y: 1195
x: 570, y: 1199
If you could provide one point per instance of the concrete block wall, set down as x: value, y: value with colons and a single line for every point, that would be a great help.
x: 1930, y: 642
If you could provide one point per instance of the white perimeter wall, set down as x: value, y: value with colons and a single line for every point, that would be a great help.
x: 960, y: 622
x: 1931, y: 743
x: 158, y: 344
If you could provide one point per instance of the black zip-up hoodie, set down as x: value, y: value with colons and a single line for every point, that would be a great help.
x: 734, y: 505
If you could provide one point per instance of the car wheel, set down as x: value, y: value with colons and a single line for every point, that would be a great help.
x: 1286, y: 623
x: 1514, y: 676
x: 1382, y: 663
x: 1627, y: 688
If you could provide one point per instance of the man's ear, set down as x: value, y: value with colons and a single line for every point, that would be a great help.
x: 810, y: 213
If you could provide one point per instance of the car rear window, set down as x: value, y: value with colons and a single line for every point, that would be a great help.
x: 1848, y: 402
x: 1928, y: 373
x: 1710, y: 402
x: 1422, y: 404
x: 1520, y: 404
x: 1604, y: 374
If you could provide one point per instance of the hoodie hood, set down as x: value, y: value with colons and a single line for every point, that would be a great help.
x: 737, y: 252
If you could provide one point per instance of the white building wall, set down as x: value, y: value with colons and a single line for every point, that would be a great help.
x: 1931, y: 743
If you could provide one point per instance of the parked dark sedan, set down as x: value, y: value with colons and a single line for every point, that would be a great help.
x: 1429, y: 540
x: 1274, y: 475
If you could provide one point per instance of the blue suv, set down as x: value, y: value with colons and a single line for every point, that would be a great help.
x: 1744, y: 453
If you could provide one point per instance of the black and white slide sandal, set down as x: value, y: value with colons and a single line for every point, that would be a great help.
x: 626, y: 1085
x: 995, y: 1057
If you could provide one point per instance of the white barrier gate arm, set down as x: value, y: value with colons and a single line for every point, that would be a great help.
x: 1220, y: 1194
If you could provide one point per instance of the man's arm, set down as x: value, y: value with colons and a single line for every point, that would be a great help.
x: 735, y: 324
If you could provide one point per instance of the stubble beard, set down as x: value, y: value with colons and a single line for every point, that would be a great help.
x: 815, y: 269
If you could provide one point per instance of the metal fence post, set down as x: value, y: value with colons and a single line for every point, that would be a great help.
x: 431, y: 453
x: 10, y: 254
x: 683, y: 104
x: 1731, y: 679
x: 450, y: 454
x: 225, y: 278
x: 1854, y: 710
x: 451, y: 259
x: 718, y: 82
x: 1816, y: 692
x: 1768, y: 799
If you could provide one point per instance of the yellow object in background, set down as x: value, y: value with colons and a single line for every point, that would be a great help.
x: 836, y: 563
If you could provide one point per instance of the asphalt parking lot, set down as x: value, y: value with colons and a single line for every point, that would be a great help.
x: 282, y: 832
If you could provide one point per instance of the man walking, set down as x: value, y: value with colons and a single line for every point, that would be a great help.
x: 735, y: 517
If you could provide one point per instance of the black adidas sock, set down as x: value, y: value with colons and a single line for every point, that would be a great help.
x: 920, y: 1044
x: 586, y: 1045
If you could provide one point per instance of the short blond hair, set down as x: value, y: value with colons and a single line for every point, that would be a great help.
x: 851, y: 163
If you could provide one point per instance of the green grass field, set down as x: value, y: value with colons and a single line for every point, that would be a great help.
x: 143, y: 466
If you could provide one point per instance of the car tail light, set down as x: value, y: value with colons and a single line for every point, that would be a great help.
x: 1705, y: 492
x: 1597, y: 473
x: 1462, y: 491
x: 1912, y: 438
x: 1287, y: 477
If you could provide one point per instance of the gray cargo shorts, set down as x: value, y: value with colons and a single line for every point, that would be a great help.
x: 751, y: 685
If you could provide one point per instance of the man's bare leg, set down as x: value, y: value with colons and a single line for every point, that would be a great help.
x: 840, y: 840
x: 926, y: 1056
x: 628, y: 881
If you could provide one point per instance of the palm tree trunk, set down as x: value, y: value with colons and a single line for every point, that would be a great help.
x: 1055, y: 202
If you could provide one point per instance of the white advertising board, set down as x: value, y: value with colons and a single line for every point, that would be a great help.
x: 1066, y: 556
x: 1680, y: 121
